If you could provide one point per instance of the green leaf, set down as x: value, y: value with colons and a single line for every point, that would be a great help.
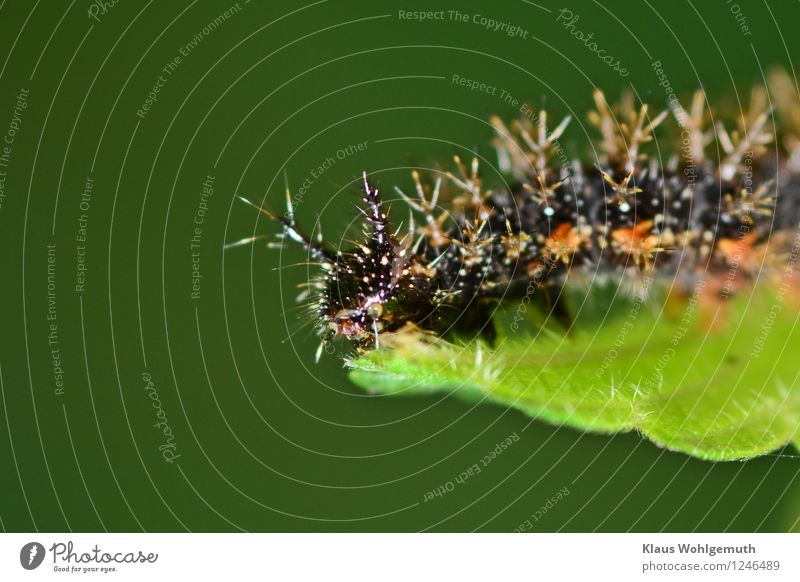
x: 717, y: 379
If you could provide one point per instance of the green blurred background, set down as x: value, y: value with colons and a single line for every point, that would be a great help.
x: 264, y: 439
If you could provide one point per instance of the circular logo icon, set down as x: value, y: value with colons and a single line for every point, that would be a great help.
x: 31, y: 555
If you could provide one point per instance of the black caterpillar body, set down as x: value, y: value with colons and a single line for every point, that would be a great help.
x: 727, y: 218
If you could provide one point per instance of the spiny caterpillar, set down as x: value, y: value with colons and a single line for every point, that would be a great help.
x: 711, y: 212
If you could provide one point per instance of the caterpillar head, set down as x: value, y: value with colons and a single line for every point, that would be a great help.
x: 379, y: 286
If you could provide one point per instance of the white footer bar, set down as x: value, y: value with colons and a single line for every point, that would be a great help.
x: 401, y: 557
